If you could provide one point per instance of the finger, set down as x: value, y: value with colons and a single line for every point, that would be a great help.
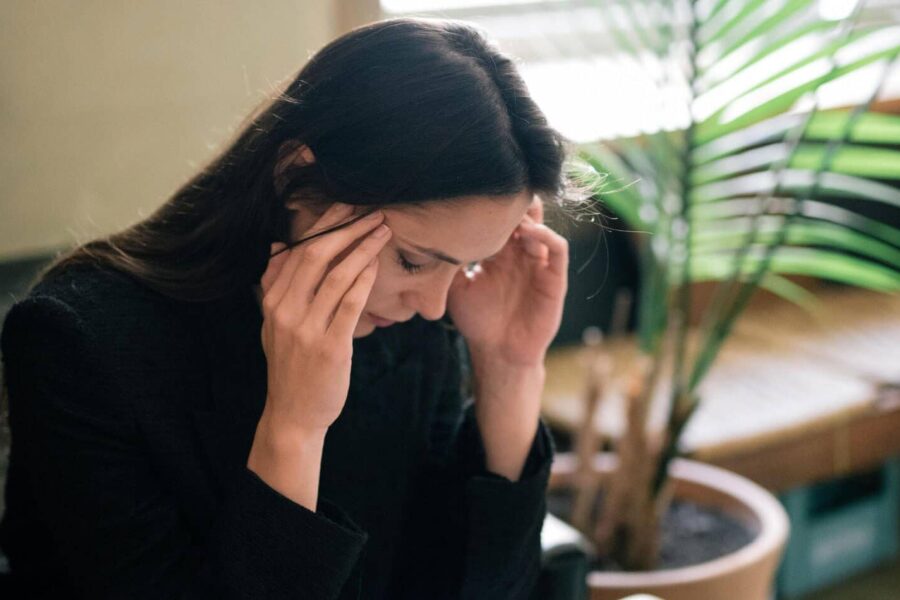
x: 347, y: 314
x: 342, y: 276
x: 557, y: 246
x: 319, y: 254
x: 336, y: 213
x: 534, y: 248
x: 275, y: 264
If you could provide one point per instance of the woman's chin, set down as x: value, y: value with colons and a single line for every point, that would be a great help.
x: 363, y: 328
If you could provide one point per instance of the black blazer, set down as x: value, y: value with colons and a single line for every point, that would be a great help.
x: 132, y: 417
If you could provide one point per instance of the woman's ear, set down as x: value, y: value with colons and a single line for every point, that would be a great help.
x: 536, y: 209
x: 291, y: 153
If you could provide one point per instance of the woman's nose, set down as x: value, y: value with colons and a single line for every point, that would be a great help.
x: 430, y: 299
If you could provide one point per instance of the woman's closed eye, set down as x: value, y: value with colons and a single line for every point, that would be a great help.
x: 409, y: 267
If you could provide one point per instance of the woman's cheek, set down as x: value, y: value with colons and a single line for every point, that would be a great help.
x: 384, y: 280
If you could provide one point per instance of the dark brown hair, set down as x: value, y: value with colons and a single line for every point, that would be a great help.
x: 398, y: 111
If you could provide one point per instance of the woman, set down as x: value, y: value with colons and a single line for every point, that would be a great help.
x: 185, y: 418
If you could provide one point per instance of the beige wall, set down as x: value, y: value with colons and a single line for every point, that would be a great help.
x: 107, y: 106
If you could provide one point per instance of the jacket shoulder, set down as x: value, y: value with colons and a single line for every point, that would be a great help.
x: 93, y: 331
x: 117, y: 311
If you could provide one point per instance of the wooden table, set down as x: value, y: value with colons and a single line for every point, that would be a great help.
x: 794, y: 398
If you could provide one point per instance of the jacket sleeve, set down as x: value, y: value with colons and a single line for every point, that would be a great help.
x: 113, y: 526
x: 470, y: 533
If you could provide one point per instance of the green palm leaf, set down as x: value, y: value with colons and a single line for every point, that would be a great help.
x: 732, y: 234
x: 863, y: 161
x: 717, y: 125
x: 823, y: 264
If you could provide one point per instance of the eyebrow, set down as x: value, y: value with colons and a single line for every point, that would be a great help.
x: 436, y: 254
x: 431, y: 252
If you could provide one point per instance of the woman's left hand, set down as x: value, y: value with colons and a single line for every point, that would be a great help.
x: 512, y: 309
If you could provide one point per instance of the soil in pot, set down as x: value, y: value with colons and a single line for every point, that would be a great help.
x: 691, y: 533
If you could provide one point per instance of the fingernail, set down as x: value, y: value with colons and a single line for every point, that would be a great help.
x: 374, y: 215
x: 381, y: 231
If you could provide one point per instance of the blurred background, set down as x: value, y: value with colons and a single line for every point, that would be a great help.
x: 110, y: 106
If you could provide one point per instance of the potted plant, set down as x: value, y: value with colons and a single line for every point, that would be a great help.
x: 751, y: 192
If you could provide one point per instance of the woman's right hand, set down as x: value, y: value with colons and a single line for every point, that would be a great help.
x: 313, y: 296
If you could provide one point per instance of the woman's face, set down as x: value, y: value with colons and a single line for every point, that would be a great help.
x: 429, y: 246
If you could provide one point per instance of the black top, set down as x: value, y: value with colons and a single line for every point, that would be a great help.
x: 132, y: 417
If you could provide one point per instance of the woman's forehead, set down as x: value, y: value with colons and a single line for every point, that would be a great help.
x: 468, y: 229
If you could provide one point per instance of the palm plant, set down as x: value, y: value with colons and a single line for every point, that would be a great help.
x: 744, y: 195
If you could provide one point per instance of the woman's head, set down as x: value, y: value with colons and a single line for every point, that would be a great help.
x: 406, y: 114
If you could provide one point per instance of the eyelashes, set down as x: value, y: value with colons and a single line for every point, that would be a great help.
x: 412, y: 268
x: 408, y: 266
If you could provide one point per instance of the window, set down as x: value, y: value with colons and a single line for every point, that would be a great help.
x: 569, y: 53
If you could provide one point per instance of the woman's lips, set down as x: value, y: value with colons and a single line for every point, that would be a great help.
x: 379, y: 321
